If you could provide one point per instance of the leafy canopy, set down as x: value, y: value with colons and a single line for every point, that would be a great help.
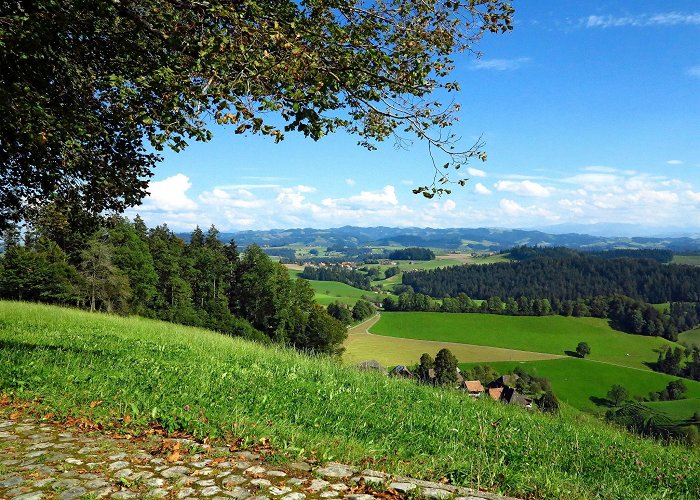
x: 88, y: 85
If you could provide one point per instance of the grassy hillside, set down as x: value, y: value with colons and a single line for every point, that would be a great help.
x: 691, y: 337
x: 208, y: 384
x: 326, y: 292
x: 548, y: 334
x: 584, y: 384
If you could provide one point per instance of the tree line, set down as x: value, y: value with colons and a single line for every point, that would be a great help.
x: 412, y: 253
x: 125, y: 267
x: 563, y: 274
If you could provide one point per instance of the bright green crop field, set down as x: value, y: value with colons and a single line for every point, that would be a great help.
x: 584, y: 384
x: 549, y: 334
x: 203, y: 383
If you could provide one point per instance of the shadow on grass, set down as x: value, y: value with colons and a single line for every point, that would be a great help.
x: 601, y: 401
x: 573, y: 354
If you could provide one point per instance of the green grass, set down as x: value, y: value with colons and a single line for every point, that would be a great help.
x: 691, y: 260
x: 581, y: 382
x: 681, y: 409
x: 211, y: 385
x: 548, y: 334
x: 326, y: 292
x: 691, y: 337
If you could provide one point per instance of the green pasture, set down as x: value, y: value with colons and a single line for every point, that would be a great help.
x: 548, y: 334
x: 584, y: 383
x: 209, y: 385
x: 391, y: 351
x: 691, y: 337
x: 326, y: 292
x: 691, y: 260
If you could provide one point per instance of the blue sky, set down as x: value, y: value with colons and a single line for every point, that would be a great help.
x: 590, y: 112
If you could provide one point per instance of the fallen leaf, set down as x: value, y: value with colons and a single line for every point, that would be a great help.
x: 95, y: 403
x: 14, y: 416
x: 127, y: 419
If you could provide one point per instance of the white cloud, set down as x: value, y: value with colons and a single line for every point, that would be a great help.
x: 407, y: 182
x: 350, y: 182
x: 600, y: 169
x: 694, y: 71
x: 524, y: 188
x: 294, y: 197
x: 475, y: 172
x: 692, y: 196
x: 642, y: 20
x: 479, y: 188
x: 675, y: 162
x: 449, y: 205
x: 370, y: 198
x: 170, y: 195
x: 500, y: 64
x: 239, y: 198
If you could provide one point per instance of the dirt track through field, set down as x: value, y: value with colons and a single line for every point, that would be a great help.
x: 362, y: 345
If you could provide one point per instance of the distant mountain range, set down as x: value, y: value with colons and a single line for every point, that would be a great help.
x: 476, y: 239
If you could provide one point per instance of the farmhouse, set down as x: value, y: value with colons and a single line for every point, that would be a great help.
x: 401, y: 371
x: 513, y: 397
x: 371, y: 365
x: 505, y: 381
x: 473, y: 387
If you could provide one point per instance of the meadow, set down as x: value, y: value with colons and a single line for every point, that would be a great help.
x: 546, y: 334
x: 691, y: 337
x: 691, y: 260
x: 389, y: 351
x: 326, y: 292
x: 584, y: 384
x: 105, y: 368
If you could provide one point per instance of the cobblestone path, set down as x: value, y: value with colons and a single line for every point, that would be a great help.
x: 40, y: 460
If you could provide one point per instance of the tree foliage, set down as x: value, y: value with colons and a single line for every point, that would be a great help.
x: 445, y: 367
x: 87, y: 86
x: 583, y: 349
x: 125, y: 267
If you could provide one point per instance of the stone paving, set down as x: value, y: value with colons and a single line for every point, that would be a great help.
x: 42, y: 460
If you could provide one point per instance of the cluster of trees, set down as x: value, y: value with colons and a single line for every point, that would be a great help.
x: 126, y: 267
x: 642, y: 419
x: 444, y: 365
x: 680, y: 362
x: 337, y: 273
x: 625, y: 314
x: 360, y: 311
x: 412, y: 253
x: 391, y: 271
x: 566, y: 275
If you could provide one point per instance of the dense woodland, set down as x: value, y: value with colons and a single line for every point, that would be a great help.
x: 564, y: 275
x: 412, y: 253
x: 127, y: 268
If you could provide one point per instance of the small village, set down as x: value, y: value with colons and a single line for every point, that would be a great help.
x: 501, y: 389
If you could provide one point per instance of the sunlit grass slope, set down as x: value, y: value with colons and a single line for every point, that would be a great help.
x: 549, y: 334
x: 691, y: 337
x: 209, y: 384
x: 582, y: 383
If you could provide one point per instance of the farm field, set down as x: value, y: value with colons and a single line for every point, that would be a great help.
x: 390, y: 351
x: 691, y: 337
x: 580, y: 382
x: 546, y: 334
x: 210, y: 385
x: 691, y: 260
x: 466, y: 258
